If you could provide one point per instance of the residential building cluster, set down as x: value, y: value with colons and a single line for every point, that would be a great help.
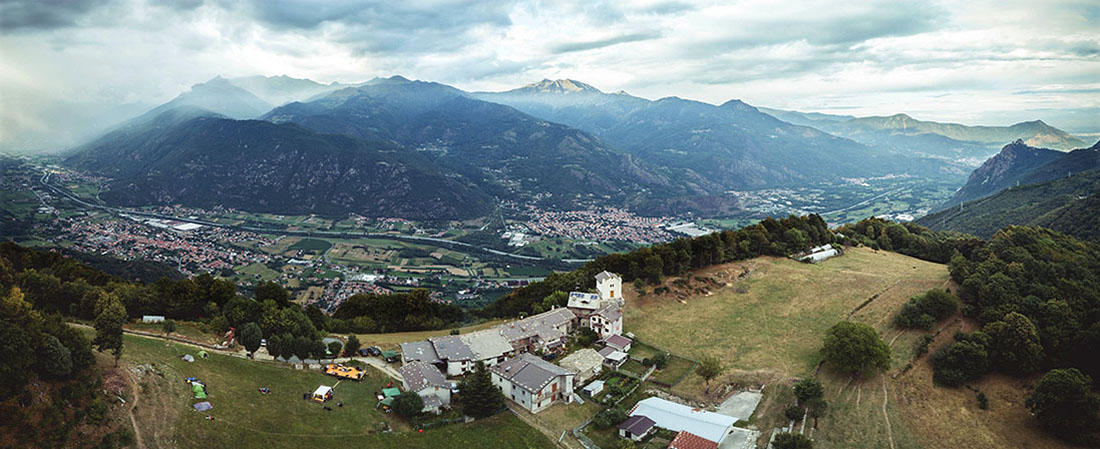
x: 193, y: 250
x: 508, y: 349
x: 595, y: 224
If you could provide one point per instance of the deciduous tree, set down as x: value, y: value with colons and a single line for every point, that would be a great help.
x: 709, y: 368
x: 108, y: 326
x: 855, y: 347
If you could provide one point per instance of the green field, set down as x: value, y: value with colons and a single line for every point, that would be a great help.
x: 246, y: 419
x: 260, y: 269
x: 778, y: 322
x: 311, y: 245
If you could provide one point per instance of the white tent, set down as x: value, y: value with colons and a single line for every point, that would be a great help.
x: 322, y: 391
x: 188, y: 358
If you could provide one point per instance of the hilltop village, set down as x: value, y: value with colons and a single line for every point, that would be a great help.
x: 519, y: 356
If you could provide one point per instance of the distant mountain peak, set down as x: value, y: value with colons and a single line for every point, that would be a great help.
x: 560, y: 86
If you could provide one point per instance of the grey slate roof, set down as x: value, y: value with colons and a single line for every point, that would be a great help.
x: 420, y: 375
x: 431, y: 402
x: 547, y: 325
x: 610, y: 313
x: 420, y: 350
x: 452, y: 349
x: 529, y: 372
x: 487, y: 344
x: 637, y: 425
x: 618, y: 341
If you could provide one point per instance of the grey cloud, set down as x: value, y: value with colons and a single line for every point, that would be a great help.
x: 568, y: 47
x: 370, y: 26
x: 31, y: 15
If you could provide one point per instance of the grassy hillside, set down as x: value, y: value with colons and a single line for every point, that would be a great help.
x: 246, y: 419
x: 765, y: 319
x: 778, y: 323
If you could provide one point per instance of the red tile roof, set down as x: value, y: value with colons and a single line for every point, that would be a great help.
x: 688, y: 440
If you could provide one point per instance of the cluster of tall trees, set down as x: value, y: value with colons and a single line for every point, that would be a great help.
x: 768, y: 237
x: 398, y: 312
x: 48, y: 384
x: 909, y: 239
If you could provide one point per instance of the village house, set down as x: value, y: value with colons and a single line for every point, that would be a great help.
x: 607, y: 321
x: 532, y: 382
x: 426, y: 381
x: 636, y: 428
x: 619, y: 342
x: 613, y: 358
x: 586, y: 362
x: 602, y: 312
x: 546, y: 331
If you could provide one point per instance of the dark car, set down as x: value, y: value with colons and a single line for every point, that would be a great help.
x: 363, y: 352
x: 374, y: 350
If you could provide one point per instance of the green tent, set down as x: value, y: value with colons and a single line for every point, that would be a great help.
x: 203, y: 354
x: 390, y: 356
x: 390, y: 392
x: 388, y: 402
x: 198, y: 390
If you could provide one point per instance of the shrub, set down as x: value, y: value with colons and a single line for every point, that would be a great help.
x: 983, y: 401
x: 793, y: 412
x: 958, y: 363
x: 609, y: 417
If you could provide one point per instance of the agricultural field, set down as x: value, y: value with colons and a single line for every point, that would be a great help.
x: 765, y: 319
x: 244, y: 418
x: 257, y: 271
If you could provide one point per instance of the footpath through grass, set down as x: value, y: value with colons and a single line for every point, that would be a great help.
x: 244, y: 418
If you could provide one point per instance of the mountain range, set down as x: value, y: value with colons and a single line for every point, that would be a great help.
x: 1019, y: 163
x: 733, y: 144
x: 948, y: 140
x: 286, y: 145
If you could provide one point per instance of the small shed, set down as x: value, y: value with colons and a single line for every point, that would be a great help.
x: 322, y: 393
x: 619, y: 342
x: 615, y: 359
x: 593, y: 388
x: 636, y: 427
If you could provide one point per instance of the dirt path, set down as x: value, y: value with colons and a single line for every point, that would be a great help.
x: 133, y: 405
x: 885, y: 400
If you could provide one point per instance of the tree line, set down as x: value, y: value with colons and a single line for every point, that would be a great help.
x: 769, y: 237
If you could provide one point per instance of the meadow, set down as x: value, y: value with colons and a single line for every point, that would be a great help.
x: 244, y: 418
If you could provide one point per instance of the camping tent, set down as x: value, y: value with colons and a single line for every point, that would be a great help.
x: 199, y: 390
x: 203, y: 406
x: 204, y: 355
x: 390, y: 392
x: 188, y: 358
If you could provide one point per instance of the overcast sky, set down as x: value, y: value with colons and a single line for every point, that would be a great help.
x: 974, y: 61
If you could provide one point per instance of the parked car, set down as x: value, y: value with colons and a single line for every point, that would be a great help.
x: 263, y: 342
x: 363, y: 352
x: 374, y: 350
